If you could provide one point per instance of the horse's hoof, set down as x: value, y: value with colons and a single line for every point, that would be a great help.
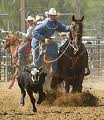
x: 34, y: 109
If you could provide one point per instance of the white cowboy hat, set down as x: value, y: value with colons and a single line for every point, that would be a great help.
x: 52, y: 11
x: 39, y: 17
x: 30, y: 18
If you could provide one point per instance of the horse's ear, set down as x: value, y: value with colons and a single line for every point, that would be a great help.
x: 7, y: 32
x: 82, y: 18
x: 73, y: 18
x: 13, y: 32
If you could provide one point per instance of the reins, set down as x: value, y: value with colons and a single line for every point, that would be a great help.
x: 44, y: 51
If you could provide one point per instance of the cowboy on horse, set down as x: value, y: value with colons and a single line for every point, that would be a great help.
x: 43, y: 33
x: 26, y: 40
x: 23, y: 49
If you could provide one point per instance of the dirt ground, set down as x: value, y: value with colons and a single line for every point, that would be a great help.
x: 10, y: 109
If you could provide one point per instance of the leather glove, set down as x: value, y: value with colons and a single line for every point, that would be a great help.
x: 47, y: 41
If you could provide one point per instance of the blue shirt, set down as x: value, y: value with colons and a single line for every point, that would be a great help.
x: 47, y: 28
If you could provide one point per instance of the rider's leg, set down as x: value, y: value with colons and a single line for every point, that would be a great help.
x: 52, y: 50
x: 21, y: 54
x: 37, y: 57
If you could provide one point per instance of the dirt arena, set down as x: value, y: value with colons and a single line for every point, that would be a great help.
x: 10, y: 109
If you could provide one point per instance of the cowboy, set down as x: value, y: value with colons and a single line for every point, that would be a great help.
x: 39, y: 19
x: 26, y: 39
x: 43, y: 33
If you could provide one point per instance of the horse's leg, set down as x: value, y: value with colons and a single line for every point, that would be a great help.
x: 54, y: 82
x: 42, y: 95
x: 30, y: 93
x: 67, y: 86
x: 80, y: 79
x: 74, y: 86
x: 77, y: 86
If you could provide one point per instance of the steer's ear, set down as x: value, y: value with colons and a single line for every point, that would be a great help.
x: 40, y: 69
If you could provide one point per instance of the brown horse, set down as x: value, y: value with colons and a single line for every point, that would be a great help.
x: 72, y: 64
x: 12, y: 43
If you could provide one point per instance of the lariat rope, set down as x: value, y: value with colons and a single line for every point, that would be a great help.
x: 50, y: 61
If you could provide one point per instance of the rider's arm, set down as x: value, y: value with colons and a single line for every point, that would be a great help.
x: 37, y: 33
x: 38, y: 36
x: 28, y: 34
x: 62, y: 28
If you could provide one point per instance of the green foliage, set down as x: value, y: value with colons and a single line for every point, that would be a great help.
x: 93, y: 10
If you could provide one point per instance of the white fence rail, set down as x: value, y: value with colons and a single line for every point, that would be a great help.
x: 96, y: 61
x: 4, y: 63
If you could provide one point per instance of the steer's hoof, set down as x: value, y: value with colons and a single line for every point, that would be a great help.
x: 41, y: 99
x: 22, y: 101
x: 34, y: 109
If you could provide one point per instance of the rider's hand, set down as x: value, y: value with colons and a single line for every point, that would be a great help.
x: 43, y: 41
x: 47, y: 41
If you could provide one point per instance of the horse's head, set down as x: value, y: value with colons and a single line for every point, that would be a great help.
x: 11, y: 39
x: 11, y: 43
x: 76, y: 31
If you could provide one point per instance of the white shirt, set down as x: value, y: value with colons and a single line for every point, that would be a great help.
x: 29, y: 32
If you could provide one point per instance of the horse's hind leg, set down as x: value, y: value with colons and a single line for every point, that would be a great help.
x: 30, y: 93
x: 67, y: 86
x: 77, y: 86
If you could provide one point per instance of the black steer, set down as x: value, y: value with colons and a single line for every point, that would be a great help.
x: 32, y: 81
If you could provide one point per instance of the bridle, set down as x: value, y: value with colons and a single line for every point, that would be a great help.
x: 75, y: 33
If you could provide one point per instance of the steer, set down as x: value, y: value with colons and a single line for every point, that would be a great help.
x: 31, y: 80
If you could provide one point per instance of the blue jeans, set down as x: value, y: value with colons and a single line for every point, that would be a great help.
x: 21, y: 54
x: 37, y: 58
x: 51, y: 50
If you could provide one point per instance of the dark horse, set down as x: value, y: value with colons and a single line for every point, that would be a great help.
x: 74, y: 61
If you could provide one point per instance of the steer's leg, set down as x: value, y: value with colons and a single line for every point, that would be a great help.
x: 23, y: 92
x: 42, y: 95
x: 30, y: 93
